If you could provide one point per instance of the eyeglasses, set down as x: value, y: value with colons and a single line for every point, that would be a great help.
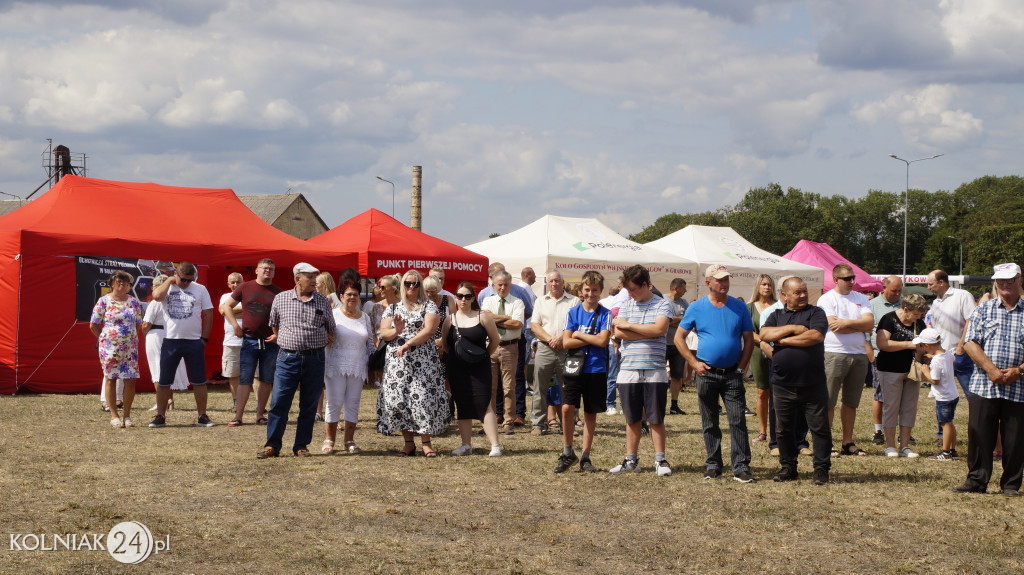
x: 412, y: 284
x: 847, y: 278
x: 265, y: 268
x: 463, y: 296
x: 349, y: 294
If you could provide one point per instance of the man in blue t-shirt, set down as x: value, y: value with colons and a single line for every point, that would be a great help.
x: 725, y: 336
x: 797, y: 331
x: 587, y: 331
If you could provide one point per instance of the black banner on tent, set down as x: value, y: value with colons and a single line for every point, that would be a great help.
x: 93, y: 273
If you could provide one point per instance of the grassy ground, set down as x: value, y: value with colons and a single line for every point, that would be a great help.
x: 66, y: 471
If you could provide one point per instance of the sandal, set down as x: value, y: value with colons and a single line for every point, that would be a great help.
x: 410, y: 453
x: 235, y: 423
x: 851, y: 449
x: 261, y: 421
x: 555, y: 425
x: 760, y: 437
x: 428, y: 451
x: 352, y: 448
x: 835, y: 452
x: 328, y: 447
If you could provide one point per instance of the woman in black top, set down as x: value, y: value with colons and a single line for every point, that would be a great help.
x: 896, y: 331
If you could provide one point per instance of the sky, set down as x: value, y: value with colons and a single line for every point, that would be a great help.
x: 618, y: 110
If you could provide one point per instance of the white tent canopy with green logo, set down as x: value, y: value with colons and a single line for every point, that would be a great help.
x: 724, y: 246
x: 574, y: 245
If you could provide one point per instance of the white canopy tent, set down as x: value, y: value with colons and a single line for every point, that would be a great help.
x: 574, y: 245
x: 724, y: 246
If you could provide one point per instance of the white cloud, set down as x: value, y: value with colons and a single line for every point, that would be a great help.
x: 926, y: 117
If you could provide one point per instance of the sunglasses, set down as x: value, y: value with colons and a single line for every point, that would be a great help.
x: 186, y: 280
x: 412, y: 284
x: 847, y: 278
x: 464, y: 296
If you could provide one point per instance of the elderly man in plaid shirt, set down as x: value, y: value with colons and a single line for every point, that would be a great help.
x: 995, y: 341
x: 303, y: 323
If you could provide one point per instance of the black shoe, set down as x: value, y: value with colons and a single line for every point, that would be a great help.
x: 786, y: 474
x: 967, y: 487
x: 1011, y: 493
x: 565, y: 462
x: 743, y: 477
x: 621, y: 430
x: 158, y: 421
x: 820, y: 476
x: 878, y: 438
x: 674, y: 410
x: 587, y: 467
x: 747, y: 412
x: 712, y: 474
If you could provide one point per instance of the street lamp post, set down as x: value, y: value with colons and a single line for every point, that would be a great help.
x: 393, y: 196
x: 906, y: 205
x: 961, y: 253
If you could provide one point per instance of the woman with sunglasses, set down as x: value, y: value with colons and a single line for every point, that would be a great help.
x: 345, y: 371
x: 471, y: 382
x: 412, y: 397
x: 116, y: 319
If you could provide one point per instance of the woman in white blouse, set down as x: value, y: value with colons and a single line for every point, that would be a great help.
x: 345, y: 371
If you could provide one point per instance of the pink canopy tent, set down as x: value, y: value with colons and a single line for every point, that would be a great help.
x: 823, y: 256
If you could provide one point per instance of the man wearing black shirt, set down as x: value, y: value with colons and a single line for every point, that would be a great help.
x: 798, y: 378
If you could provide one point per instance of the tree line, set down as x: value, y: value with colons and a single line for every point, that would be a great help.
x: 987, y: 215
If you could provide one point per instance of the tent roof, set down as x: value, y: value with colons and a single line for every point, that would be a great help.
x: 387, y: 246
x: 825, y: 257
x: 724, y: 245
x: 87, y: 216
x: 574, y: 245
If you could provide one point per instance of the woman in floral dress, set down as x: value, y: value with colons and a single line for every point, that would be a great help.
x: 412, y: 397
x: 115, y: 321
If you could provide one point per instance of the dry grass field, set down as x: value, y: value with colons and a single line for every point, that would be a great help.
x: 66, y: 471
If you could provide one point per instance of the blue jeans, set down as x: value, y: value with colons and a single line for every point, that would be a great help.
x: 613, y: 374
x: 963, y: 367
x: 304, y: 373
x: 730, y: 388
x: 256, y: 359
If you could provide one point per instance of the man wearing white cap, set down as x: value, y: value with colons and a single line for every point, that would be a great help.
x: 995, y: 341
x: 725, y: 336
x: 303, y: 323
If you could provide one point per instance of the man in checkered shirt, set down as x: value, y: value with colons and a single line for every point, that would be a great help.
x: 995, y: 341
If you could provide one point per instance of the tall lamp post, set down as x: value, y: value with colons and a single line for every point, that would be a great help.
x: 961, y: 253
x: 906, y: 205
x: 393, y: 198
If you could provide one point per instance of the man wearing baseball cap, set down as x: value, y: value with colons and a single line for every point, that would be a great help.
x: 994, y: 342
x: 725, y: 335
x: 303, y: 323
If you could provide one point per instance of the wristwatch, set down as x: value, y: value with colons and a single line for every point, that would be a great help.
x: 740, y: 370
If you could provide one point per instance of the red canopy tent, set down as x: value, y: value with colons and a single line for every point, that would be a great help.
x: 387, y: 246
x: 825, y: 257
x: 43, y: 347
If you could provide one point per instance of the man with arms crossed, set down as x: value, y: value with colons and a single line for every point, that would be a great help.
x: 798, y: 378
x: 508, y: 312
x: 846, y: 359
x: 725, y: 336
x: 549, y: 316
x: 642, y: 381
x: 259, y: 344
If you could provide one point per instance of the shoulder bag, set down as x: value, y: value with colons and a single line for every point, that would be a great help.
x: 468, y: 351
x: 574, y: 361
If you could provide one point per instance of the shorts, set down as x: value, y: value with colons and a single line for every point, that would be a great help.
x: 643, y: 390
x: 258, y: 359
x: 945, y: 411
x: 845, y: 372
x: 193, y: 351
x: 590, y: 387
x: 676, y: 363
x: 554, y: 395
x: 229, y: 360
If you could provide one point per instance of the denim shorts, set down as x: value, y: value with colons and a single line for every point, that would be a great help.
x: 946, y: 410
x: 257, y: 360
x: 173, y: 351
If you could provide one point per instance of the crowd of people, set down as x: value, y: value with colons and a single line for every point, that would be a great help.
x: 461, y: 356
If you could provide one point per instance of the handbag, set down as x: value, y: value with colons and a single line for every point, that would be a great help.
x: 379, y: 355
x: 466, y: 350
x: 572, y: 367
x: 917, y: 368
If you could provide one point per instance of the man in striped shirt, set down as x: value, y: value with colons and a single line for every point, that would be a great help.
x: 642, y: 380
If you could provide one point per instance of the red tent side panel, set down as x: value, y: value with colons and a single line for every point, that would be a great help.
x: 10, y: 277
x: 387, y: 246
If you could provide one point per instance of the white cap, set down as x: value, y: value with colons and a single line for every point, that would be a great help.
x: 927, y: 335
x: 304, y: 268
x: 1005, y: 271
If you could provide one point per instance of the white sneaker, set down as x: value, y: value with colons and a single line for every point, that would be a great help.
x: 464, y: 449
x: 663, y: 469
x: 611, y: 411
x: 495, y: 451
x: 891, y: 452
x: 906, y: 452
